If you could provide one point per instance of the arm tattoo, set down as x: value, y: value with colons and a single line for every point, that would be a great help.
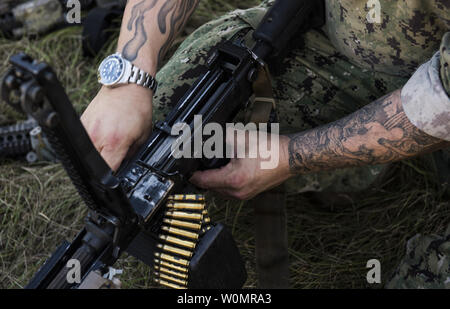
x: 132, y: 48
x: 181, y: 11
x: 178, y: 12
x: 378, y: 133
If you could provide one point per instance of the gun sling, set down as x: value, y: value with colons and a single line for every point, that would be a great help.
x: 271, y: 248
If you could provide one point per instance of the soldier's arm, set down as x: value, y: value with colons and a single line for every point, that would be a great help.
x: 406, y: 123
x: 120, y: 119
x: 149, y: 28
x: 378, y: 133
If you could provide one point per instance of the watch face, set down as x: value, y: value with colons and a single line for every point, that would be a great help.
x: 111, y: 70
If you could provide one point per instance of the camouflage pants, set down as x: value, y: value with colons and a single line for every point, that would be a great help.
x: 426, y: 264
x: 314, y: 85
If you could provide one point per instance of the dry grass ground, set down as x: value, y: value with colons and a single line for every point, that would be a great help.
x: 329, y: 246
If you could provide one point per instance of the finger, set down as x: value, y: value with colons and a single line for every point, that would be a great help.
x: 134, y: 148
x: 233, y: 194
x: 225, y: 193
x: 211, y: 179
x: 114, y: 157
x: 94, y: 136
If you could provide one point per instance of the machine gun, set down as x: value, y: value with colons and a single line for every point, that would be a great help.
x: 143, y: 209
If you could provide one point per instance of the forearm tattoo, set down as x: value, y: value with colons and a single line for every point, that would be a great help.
x: 172, y: 17
x: 181, y: 10
x: 378, y: 133
x: 132, y: 47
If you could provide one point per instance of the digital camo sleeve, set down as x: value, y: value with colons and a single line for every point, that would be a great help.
x: 425, y: 100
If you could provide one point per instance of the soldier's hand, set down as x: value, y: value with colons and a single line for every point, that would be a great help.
x: 118, y: 121
x: 244, y: 178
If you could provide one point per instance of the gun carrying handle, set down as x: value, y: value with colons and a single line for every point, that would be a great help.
x: 281, y: 23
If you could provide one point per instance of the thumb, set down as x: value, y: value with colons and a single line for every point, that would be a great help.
x: 114, y: 156
x: 212, y: 179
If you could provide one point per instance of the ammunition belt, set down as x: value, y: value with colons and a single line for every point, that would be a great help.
x: 185, y: 221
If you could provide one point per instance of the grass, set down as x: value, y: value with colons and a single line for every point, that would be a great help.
x: 329, y: 245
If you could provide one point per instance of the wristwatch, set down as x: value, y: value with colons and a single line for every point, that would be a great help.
x: 116, y: 71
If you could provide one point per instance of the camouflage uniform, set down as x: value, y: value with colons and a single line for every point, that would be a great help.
x: 426, y: 264
x: 445, y: 62
x: 326, y: 77
x: 336, y: 70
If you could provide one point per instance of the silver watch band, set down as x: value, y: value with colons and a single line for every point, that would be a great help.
x: 142, y: 78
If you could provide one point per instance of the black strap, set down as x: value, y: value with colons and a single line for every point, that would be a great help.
x: 271, y: 251
x: 272, y: 261
x: 97, y: 26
